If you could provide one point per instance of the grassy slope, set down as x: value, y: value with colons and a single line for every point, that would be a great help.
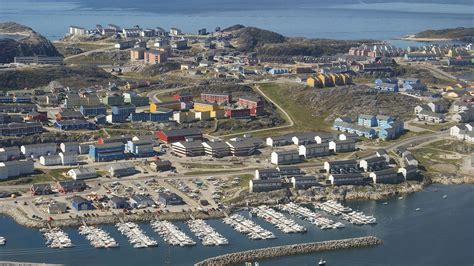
x: 303, y: 121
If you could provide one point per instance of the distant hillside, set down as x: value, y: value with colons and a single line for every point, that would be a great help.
x: 26, y: 42
x: 75, y: 76
x: 268, y: 43
x: 462, y: 34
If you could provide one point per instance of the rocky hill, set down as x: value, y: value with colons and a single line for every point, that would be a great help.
x: 461, y: 33
x: 350, y: 101
x: 74, y: 76
x: 268, y: 43
x: 19, y: 40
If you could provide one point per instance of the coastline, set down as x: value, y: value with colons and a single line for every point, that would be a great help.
x: 290, y: 250
x: 340, y: 194
x: 418, y: 39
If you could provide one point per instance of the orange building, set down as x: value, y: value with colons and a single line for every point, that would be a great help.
x: 137, y: 54
x: 155, y: 57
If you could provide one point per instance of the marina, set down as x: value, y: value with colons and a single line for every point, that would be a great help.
x: 247, y: 227
x: 172, y: 234
x: 346, y: 213
x: 135, y: 235
x: 278, y: 220
x: 207, y: 234
x: 97, y: 237
x: 310, y: 216
x: 56, y: 238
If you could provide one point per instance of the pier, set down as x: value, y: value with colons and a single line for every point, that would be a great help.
x: 207, y: 234
x: 290, y: 250
x: 172, y: 234
x: 310, y: 216
x: 247, y: 227
x: 346, y: 213
x: 135, y: 235
x: 278, y: 220
x: 97, y: 237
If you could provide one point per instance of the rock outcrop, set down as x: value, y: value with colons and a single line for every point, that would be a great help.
x: 19, y: 40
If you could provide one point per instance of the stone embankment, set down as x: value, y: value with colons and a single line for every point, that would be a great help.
x: 290, y: 250
x: 22, y: 218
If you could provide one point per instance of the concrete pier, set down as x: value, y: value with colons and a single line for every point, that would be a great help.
x: 290, y: 250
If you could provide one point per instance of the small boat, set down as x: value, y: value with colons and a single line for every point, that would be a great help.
x: 417, y: 209
x: 445, y: 196
x: 400, y: 198
x: 385, y: 203
x: 322, y: 262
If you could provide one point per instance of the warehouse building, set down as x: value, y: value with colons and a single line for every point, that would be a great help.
x: 122, y: 169
x: 175, y: 135
x: 170, y: 199
x: 82, y: 173
x: 161, y: 166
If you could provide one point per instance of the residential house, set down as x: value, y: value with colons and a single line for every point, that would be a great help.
x: 262, y: 185
x: 285, y: 157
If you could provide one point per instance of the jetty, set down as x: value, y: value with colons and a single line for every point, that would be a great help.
x: 346, y: 213
x: 282, y: 223
x: 97, y: 237
x: 248, y: 227
x: 172, y: 234
x: 207, y: 234
x: 56, y: 238
x: 135, y: 235
x: 290, y: 250
x: 310, y: 216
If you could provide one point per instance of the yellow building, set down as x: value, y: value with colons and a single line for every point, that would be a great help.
x: 313, y: 82
x: 173, y: 105
x: 205, y: 107
x: 347, y: 79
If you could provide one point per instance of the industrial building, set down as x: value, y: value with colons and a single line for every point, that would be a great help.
x: 175, y: 135
x: 107, y: 152
x: 82, y: 173
x: 122, y: 169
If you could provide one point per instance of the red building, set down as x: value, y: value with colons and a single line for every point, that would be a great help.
x: 35, y: 116
x: 216, y: 97
x: 69, y: 115
x: 183, y: 97
x: 255, y: 105
x: 237, y: 112
x: 155, y: 57
x: 175, y: 135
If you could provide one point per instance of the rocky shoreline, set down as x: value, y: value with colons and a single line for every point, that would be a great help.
x: 21, y: 218
x: 290, y: 250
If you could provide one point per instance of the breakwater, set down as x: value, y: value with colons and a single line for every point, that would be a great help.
x: 290, y: 250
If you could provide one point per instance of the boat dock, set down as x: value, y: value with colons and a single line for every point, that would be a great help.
x: 97, y: 237
x: 172, y: 234
x: 278, y: 220
x: 310, y: 216
x: 346, y: 213
x: 56, y: 238
x: 247, y: 227
x: 207, y: 234
x: 135, y: 235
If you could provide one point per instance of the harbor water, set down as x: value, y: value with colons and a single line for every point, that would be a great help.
x: 439, y: 233
x: 336, y: 19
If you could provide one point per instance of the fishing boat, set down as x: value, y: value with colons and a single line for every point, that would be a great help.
x: 3, y: 241
x: 322, y: 262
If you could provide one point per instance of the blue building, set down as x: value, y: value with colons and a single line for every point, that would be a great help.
x: 124, y: 109
x: 81, y: 204
x: 159, y: 116
x: 367, y: 121
x: 355, y: 129
x: 100, y: 119
x: 6, y: 99
x: 117, y: 118
x: 76, y: 124
x: 107, y: 152
x: 391, y: 130
x: 22, y: 99
x: 93, y: 110
x: 384, y: 120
